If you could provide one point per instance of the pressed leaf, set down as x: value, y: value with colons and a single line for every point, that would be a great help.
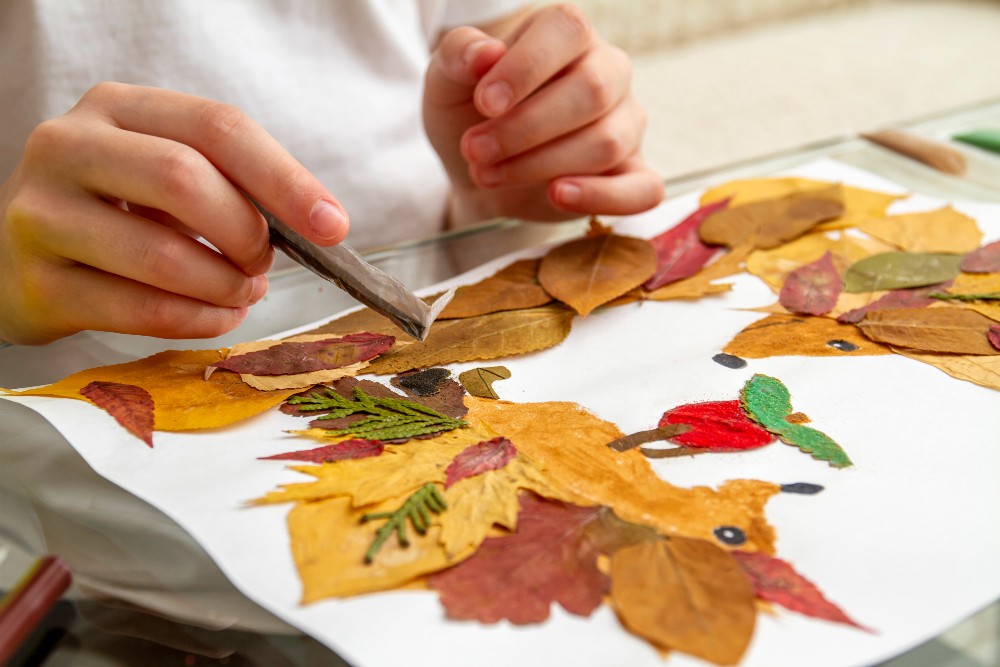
x: 416, y: 509
x: 340, y: 451
x: 994, y: 336
x: 908, y: 298
x: 768, y: 402
x: 942, y: 231
x: 571, y: 445
x: 685, y: 594
x: 718, y: 425
x: 989, y: 309
x: 983, y: 260
x: 975, y: 283
x: 551, y: 557
x: 679, y: 250
x: 769, y: 223
x: 953, y: 330
x: 131, y: 406
x: 900, y: 270
x: 974, y: 368
x: 477, y: 459
x: 933, y: 154
x: 479, y: 381
x: 812, y: 289
x: 182, y: 399
x: 664, y: 432
x: 700, y: 284
x: 512, y: 288
x: 989, y: 296
x: 421, y: 383
x: 775, y: 580
x: 779, y: 335
x: 285, y: 358
x: 591, y: 271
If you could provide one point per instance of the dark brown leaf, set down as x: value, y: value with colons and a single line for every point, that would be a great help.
x: 294, y: 358
x: 421, y: 383
x: 627, y: 442
x: 131, y: 406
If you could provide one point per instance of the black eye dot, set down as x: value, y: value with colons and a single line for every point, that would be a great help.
x: 842, y: 345
x: 730, y: 535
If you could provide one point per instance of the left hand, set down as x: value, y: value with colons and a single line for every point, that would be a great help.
x: 541, y: 125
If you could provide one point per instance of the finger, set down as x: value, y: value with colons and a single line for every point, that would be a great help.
x: 557, y: 36
x: 632, y: 189
x: 592, y: 87
x: 460, y: 60
x: 237, y: 146
x: 594, y: 149
x: 105, y: 237
x: 162, y: 217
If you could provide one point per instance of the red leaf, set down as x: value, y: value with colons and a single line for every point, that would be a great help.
x: 994, y: 335
x: 721, y: 426
x: 776, y: 581
x: 812, y: 289
x: 131, y: 406
x: 477, y: 459
x: 321, y: 355
x: 551, y: 557
x: 680, y: 252
x: 901, y: 298
x: 983, y: 260
x: 345, y: 449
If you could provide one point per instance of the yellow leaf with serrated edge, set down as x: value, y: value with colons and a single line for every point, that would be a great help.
x: 183, y: 400
x: 942, y: 231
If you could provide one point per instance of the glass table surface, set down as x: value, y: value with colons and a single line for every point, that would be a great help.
x: 83, y: 632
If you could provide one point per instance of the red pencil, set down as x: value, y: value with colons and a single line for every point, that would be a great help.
x: 25, y: 607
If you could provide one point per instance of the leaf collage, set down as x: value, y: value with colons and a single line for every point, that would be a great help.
x: 504, y: 508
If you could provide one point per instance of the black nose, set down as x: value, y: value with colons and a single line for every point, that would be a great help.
x: 803, y: 488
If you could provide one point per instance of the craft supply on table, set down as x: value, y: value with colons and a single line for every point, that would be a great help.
x: 987, y: 139
x: 26, y: 605
x: 931, y: 153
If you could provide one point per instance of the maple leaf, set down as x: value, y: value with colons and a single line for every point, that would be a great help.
x: 718, y: 425
x: 551, y: 557
x: 942, y: 231
x: 685, y: 594
x: 131, y: 406
x: 812, y: 289
x: 786, y: 335
x: 306, y: 357
x: 775, y: 580
x: 983, y: 260
x: 680, y: 252
x: 954, y: 330
x: 768, y: 402
x: 487, y: 455
x: 479, y: 381
x: 904, y: 298
x: 341, y: 451
x: 512, y: 288
x: 591, y: 271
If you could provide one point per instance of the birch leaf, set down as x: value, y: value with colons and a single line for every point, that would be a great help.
x: 812, y: 289
x: 679, y: 250
x: 942, y: 231
x: 591, y: 271
x: 977, y: 369
x: 953, y: 330
x: 780, y: 335
x: 900, y: 270
x: 479, y: 381
x: 700, y: 284
x: 983, y: 260
x: 512, y: 288
x: 131, y: 406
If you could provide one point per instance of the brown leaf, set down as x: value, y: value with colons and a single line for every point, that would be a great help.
x: 131, y: 406
x: 931, y: 153
x: 627, y: 442
x: 974, y: 368
x: 512, y: 288
x: 421, y: 383
x: 779, y: 335
x: 953, y: 330
x: 812, y: 289
x: 700, y: 284
x: 942, y: 231
x: 685, y: 594
x: 591, y: 271
x: 479, y: 381
x: 772, y: 222
x: 287, y: 358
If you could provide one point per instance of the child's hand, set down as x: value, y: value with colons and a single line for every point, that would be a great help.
x: 96, y: 222
x: 541, y: 125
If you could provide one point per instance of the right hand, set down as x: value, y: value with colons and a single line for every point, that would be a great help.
x: 99, y: 219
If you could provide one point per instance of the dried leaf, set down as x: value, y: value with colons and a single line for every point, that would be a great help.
x: 779, y: 335
x: 773, y: 266
x: 182, y: 399
x: 341, y: 451
x: 416, y: 508
x: 942, y: 231
x: 953, y: 330
x: 899, y: 270
x: 768, y: 402
x: 771, y: 222
x: 664, y: 432
x: 904, y: 298
x: 287, y: 358
x: 479, y: 381
x: 974, y: 368
x: 591, y: 271
x: 684, y: 594
x: 812, y: 289
x: 969, y: 283
x: 512, y: 288
x: 988, y: 139
x: 552, y: 557
x: 775, y: 580
x: 701, y: 284
x: 933, y: 154
x: 571, y: 445
x: 131, y: 406
x: 983, y: 260
x: 990, y: 310
x: 719, y: 425
x: 421, y: 383
x: 994, y: 336
x: 477, y: 459
x: 679, y: 250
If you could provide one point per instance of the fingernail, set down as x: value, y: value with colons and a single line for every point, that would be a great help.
x: 472, y: 49
x: 495, y: 98
x: 490, y: 175
x: 259, y: 289
x: 484, y: 148
x: 327, y: 221
x: 569, y: 194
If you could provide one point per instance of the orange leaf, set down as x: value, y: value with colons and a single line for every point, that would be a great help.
x: 511, y: 288
x: 785, y: 335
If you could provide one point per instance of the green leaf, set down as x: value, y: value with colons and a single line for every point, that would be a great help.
x: 768, y: 402
x: 899, y: 270
x: 985, y: 296
x: 425, y: 498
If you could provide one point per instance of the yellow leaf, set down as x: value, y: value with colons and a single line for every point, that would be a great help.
x: 987, y: 308
x: 942, y: 231
x: 773, y: 265
x: 975, y: 283
x: 978, y: 369
x: 183, y: 400
x: 571, y: 445
x: 700, y: 284
x: 784, y: 335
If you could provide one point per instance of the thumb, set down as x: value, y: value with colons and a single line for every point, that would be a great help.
x: 463, y: 56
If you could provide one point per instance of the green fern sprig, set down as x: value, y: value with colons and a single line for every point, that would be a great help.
x: 415, y: 508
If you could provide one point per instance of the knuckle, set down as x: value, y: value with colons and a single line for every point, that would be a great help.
x: 162, y: 257
x: 221, y: 122
x: 611, y: 146
x: 102, y: 93
x: 180, y: 172
x: 600, y: 90
x: 48, y: 138
x: 573, y: 19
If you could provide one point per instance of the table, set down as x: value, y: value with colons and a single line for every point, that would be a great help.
x: 86, y: 632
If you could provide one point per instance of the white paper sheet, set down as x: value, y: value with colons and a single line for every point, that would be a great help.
x: 906, y: 541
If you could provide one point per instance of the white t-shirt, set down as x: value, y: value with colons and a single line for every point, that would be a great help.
x: 336, y: 82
